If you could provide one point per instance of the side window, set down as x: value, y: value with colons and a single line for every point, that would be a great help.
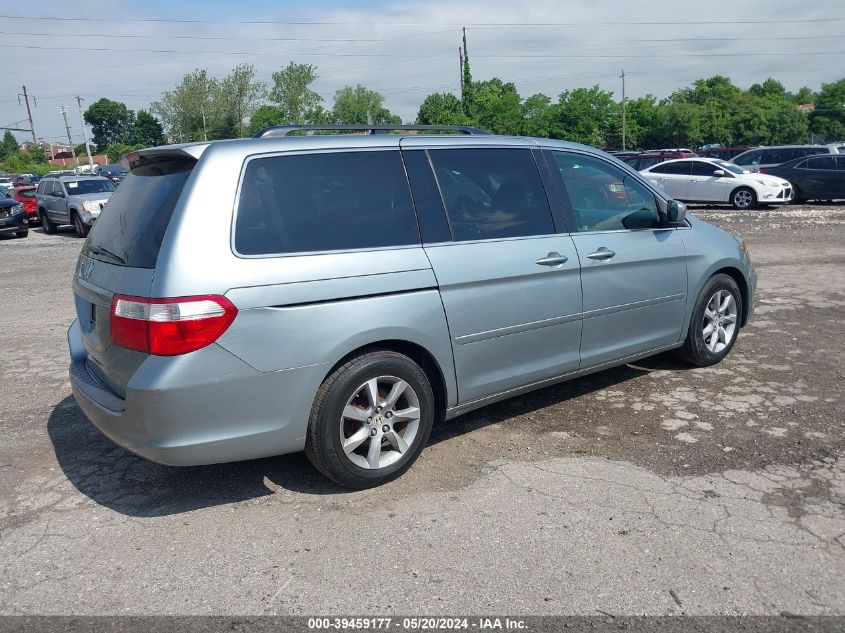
x: 324, y: 202
x: 840, y: 163
x: 777, y: 156
x: 432, y: 217
x: 751, y: 158
x: 40, y: 190
x: 603, y: 197
x: 810, y: 151
x: 678, y: 169
x: 492, y: 193
x: 700, y: 168
x: 645, y: 163
x: 821, y: 162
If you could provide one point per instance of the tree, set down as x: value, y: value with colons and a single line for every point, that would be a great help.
x: 536, y: 114
x: 265, y: 116
x: 195, y: 110
x: 804, y: 96
x: 588, y: 115
x: 8, y: 146
x: 292, y: 93
x: 110, y: 121
x: 640, y: 122
x: 147, y: 130
x: 828, y: 119
x: 243, y: 94
x: 360, y: 105
x: 495, y: 106
x: 442, y: 108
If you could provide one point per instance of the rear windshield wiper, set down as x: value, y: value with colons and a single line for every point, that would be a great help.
x: 99, y: 250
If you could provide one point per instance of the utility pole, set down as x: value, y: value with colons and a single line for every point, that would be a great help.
x: 79, y: 101
x: 29, y: 113
x: 461, y: 70
x: 624, y: 104
x: 64, y: 110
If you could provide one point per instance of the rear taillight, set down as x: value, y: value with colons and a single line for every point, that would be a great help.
x: 172, y: 326
x: 763, y: 170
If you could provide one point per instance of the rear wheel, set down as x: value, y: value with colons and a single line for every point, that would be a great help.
x: 48, y: 226
x: 23, y: 233
x: 744, y: 198
x: 796, y: 195
x: 370, y: 420
x: 79, y: 225
x: 714, y: 324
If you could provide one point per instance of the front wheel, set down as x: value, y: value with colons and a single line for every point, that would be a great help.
x: 796, y: 195
x: 370, y: 420
x: 79, y: 226
x: 23, y: 233
x: 744, y: 198
x: 714, y: 324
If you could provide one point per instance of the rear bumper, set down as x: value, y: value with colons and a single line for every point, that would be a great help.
x: 206, y: 407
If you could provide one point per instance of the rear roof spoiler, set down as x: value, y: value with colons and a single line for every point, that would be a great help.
x: 190, y: 151
x: 285, y: 130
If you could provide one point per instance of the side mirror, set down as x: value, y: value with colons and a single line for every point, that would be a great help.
x: 676, y: 212
x: 719, y: 172
x: 59, y: 194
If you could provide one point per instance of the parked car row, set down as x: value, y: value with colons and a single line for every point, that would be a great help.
x: 74, y: 200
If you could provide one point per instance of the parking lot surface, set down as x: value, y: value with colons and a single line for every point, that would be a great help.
x: 652, y: 488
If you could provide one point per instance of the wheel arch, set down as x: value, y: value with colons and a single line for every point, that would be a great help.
x: 742, y: 283
x: 748, y: 186
x: 417, y: 353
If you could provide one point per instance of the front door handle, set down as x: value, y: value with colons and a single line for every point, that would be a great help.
x: 552, y: 259
x: 602, y: 254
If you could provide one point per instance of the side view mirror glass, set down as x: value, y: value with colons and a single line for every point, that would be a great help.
x: 676, y: 212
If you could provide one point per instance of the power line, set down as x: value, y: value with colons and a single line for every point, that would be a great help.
x: 198, y: 37
x: 470, y: 24
x: 654, y: 56
x: 161, y: 50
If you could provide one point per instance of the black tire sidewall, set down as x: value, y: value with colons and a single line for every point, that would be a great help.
x: 695, y: 338
x: 46, y: 224
x: 327, y: 419
x: 78, y: 226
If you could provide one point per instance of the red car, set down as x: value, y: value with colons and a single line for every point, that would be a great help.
x: 26, y: 196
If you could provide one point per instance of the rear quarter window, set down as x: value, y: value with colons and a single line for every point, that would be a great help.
x: 326, y: 201
x: 134, y: 221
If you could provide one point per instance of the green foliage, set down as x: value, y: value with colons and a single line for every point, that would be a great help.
x: 804, y: 96
x: 118, y: 150
x: 589, y: 116
x: 26, y: 161
x: 828, y: 119
x: 110, y: 121
x: 147, y: 130
x: 8, y: 146
x: 360, y: 105
x: 242, y: 94
x: 196, y: 110
x: 296, y: 102
x: 442, y: 108
x: 495, y: 106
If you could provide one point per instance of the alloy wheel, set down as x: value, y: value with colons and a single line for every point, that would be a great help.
x: 720, y: 321
x: 379, y: 423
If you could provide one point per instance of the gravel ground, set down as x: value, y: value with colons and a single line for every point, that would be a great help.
x: 648, y: 489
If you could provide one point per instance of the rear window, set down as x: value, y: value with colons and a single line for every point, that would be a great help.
x: 132, y: 225
x: 27, y: 193
x: 324, y: 202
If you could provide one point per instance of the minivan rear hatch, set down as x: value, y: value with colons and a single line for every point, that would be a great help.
x: 120, y: 255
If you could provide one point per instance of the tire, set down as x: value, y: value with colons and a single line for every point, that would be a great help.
x: 78, y: 225
x: 698, y: 349
x: 346, y: 389
x: 796, y: 195
x: 743, y: 198
x: 23, y: 233
x: 48, y: 226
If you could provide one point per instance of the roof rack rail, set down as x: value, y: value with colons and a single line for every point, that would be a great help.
x: 284, y: 130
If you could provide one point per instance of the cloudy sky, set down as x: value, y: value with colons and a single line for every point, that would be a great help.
x: 131, y: 51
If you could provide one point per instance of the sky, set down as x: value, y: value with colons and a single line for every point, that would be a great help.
x: 132, y: 52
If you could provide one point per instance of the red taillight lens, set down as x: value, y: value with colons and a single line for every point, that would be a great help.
x: 172, y: 326
x: 763, y: 170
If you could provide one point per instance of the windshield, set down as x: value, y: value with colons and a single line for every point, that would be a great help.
x: 81, y: 187
x: 736, y: 169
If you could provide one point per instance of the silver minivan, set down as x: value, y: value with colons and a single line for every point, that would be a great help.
x: 339, y: 294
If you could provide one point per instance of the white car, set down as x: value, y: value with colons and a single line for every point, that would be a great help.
x: 714, y: 180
